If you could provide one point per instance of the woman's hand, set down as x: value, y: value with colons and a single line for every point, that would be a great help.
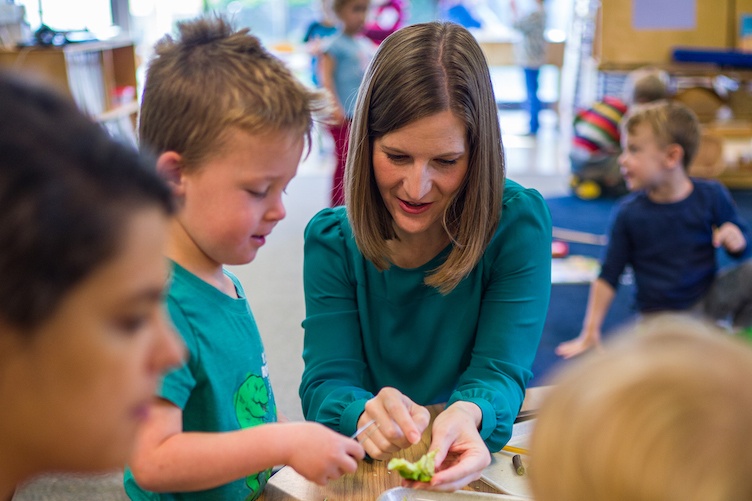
x: 400, y: 423
x: 461, y: 453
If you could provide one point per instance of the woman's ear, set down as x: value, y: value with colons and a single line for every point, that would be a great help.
x: 170, y: 168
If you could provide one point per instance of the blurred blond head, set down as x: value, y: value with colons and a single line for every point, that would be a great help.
x: 645, y: 85
x: 664, y: 413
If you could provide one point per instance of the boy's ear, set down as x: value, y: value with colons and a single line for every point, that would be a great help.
x: 674, y: 155
x: 170, y: 168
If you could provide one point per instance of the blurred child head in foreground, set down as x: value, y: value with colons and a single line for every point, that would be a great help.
x: 663, y: 413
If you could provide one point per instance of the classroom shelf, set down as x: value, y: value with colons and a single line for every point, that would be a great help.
x: 97, y: 75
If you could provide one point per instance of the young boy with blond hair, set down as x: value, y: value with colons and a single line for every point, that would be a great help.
x: 228, y: 123
x: 668, y: 229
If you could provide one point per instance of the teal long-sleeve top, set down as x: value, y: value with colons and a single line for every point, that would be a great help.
x: 367, y: 329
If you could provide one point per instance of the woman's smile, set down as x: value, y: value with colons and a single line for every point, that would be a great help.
x: 414, y: 207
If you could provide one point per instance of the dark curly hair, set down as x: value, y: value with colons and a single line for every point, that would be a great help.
x: 66, y: 190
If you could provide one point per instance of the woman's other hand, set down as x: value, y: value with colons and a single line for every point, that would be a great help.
x: 462, y: 454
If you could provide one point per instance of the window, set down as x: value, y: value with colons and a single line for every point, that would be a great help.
x: 70, y: 15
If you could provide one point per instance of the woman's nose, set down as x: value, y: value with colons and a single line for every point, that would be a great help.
x: 418, y: 182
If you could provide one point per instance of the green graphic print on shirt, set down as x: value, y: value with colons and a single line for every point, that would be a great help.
x: 251, y: 406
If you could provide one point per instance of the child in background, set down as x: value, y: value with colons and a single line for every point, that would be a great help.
x: 596, y: 136
x: 342, y: 66
x: 228, y: 123
x: 668, y: 230
x: 662, y: 414
x: 531, y: 55
x: 388, y: 17
x: 317, y: 31
x: 83, y: 337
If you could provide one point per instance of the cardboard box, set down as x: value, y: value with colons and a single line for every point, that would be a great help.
x: 703, y: 101
x: 740, y: 101
x: 502, y: 52
x: 555, y: 53
x: 725, y: 153
x: 498, y: 52
x: 622, y: 40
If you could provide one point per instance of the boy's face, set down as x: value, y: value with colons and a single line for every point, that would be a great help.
x: 85, y: 378
x: 231, y: 203
x: 353, y: 16
x: 644, y: 160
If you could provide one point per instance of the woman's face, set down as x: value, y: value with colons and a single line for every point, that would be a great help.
x: 76, y: 388
x: 418, y: 170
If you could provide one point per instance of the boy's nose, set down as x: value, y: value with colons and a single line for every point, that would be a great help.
x: 621, y: 157
x: 277, y: 211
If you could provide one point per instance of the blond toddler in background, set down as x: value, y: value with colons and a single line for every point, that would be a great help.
x: 668, y: 230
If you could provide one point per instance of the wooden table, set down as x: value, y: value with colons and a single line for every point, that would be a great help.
x: 371, y: 479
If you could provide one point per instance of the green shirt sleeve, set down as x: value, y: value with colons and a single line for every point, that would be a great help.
x: 512, y: 314
x: 332, y: 387
x: 178, y: 383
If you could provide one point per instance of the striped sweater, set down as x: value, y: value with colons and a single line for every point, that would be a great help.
x: 596, y: 129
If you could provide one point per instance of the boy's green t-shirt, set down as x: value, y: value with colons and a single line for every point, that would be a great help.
x: 224, y: 384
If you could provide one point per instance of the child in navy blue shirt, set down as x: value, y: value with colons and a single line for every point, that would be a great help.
x: 668, y: 229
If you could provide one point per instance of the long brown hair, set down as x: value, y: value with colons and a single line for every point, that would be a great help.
x: 417, y: 72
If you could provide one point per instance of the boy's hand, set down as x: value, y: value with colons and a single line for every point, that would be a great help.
x: 586, y: 340
x: 320, y: 454
x: 401, y: 423
x: 730, y: 237
x: 461, y: 453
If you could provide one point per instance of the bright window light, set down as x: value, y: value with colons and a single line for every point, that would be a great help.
x: 68, y: 15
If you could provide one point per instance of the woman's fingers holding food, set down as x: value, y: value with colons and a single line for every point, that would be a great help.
x: 401, y: 421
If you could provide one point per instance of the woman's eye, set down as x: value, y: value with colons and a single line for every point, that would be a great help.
x: 444, y: 161
x: 397, y: 158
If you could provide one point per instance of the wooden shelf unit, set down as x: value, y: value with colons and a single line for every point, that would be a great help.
x: 721, y: 140
x: 90, y: 72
